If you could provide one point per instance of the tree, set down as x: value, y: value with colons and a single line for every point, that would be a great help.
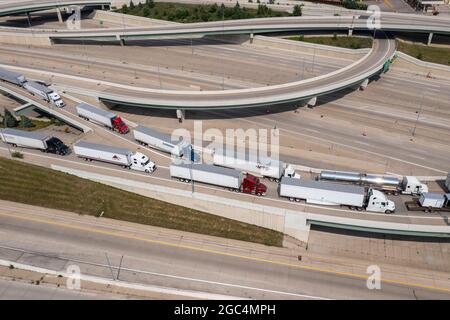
x: 146, y: 12
x: 25, y: 122
x: 132, y: 6
x: 9, y: 120
x: 297, y: 10
x: 124, y: 9
x: 150, y: 3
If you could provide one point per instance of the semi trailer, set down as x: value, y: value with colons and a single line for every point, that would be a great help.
x: 162, y: 142
x: 228, y: 178
x: 47, y: 94
x: 33, y: 140
x: 102, y: 117
x: 264, y: 167
x: 447, y: 182
x: 325, y: 193
x: 120, y: 156
x: 12, y: 77
x: 430, y: 202
x: 391, y: 185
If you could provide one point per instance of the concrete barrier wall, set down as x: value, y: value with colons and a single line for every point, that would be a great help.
x: 409, y: 63
x: 285, y: 221
x: 24, y: 39
x: 293, y: 223
x: 311, y: 48
x: 127, y: 20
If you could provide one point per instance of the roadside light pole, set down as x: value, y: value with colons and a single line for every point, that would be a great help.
x: 418, y: 115
x: 191, y: 159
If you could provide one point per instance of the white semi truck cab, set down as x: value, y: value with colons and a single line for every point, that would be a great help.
x: 55, y: 98
x: 412, y: 185
x: 378, y: 202
x: 289, y: 172
x: 141, y: 162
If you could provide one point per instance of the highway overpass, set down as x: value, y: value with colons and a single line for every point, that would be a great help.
x: 308, y: 90
x: 20, y: 7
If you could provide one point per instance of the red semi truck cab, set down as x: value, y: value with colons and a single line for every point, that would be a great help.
x: 119, y: 125
x: 252, y: 185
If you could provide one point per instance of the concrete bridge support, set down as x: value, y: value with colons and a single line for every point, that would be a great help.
x: 350, y: 32
x: 181, y: 114
x: 312, y: 102
x: 364, y: 84
x: 58, y: 12
x: 121, y: 40
x: 430, y: 38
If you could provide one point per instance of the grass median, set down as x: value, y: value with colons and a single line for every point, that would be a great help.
x: 419, y: 51
x: 335, y: 41
x: 34, y: 185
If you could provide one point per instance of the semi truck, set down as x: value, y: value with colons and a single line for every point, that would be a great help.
x: 159, y: 141
x: 102, y: 117
x: 120, y: 156
x: 325, y: 193
x: 430, y: 202
x: 47, y: 94
x: 228, y: 178
x: 12, y: 77
x: 391, y: 185
x: 264, y: 167
x: 33, y: 140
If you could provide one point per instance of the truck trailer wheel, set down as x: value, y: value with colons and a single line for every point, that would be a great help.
x: 388, y: 212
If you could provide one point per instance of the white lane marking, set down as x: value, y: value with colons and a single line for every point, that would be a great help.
x: 252, y: 197
x: 223, y: 284
x: 352, y: 147
x: 125, y: 284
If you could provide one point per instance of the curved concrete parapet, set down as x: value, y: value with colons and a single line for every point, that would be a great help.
x: 371, y: 64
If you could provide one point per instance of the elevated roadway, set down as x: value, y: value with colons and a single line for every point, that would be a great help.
x: 358, y: 73
x: 355, y: 74
x: 19, y: 7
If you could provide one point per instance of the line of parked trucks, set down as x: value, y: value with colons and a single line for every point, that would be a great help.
x: 35, y: 88
x: 356, y: 191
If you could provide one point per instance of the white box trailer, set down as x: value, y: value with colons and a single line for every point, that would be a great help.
x: 228, y: 178
x: 264, y: 167
x: 44, y: 92
x: 120, y: 156
x: 325, y: 193
x: 318, y: 192
x: 432, y: 200
x: 160, y: 141
x: 12, y: 77
x: 33, y: 140
x: 24, y: 138
x: 102, y: 117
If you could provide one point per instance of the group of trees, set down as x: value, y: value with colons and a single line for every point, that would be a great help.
x: 352, y: 4
x: 9, y: 121
x: 201, y: 13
